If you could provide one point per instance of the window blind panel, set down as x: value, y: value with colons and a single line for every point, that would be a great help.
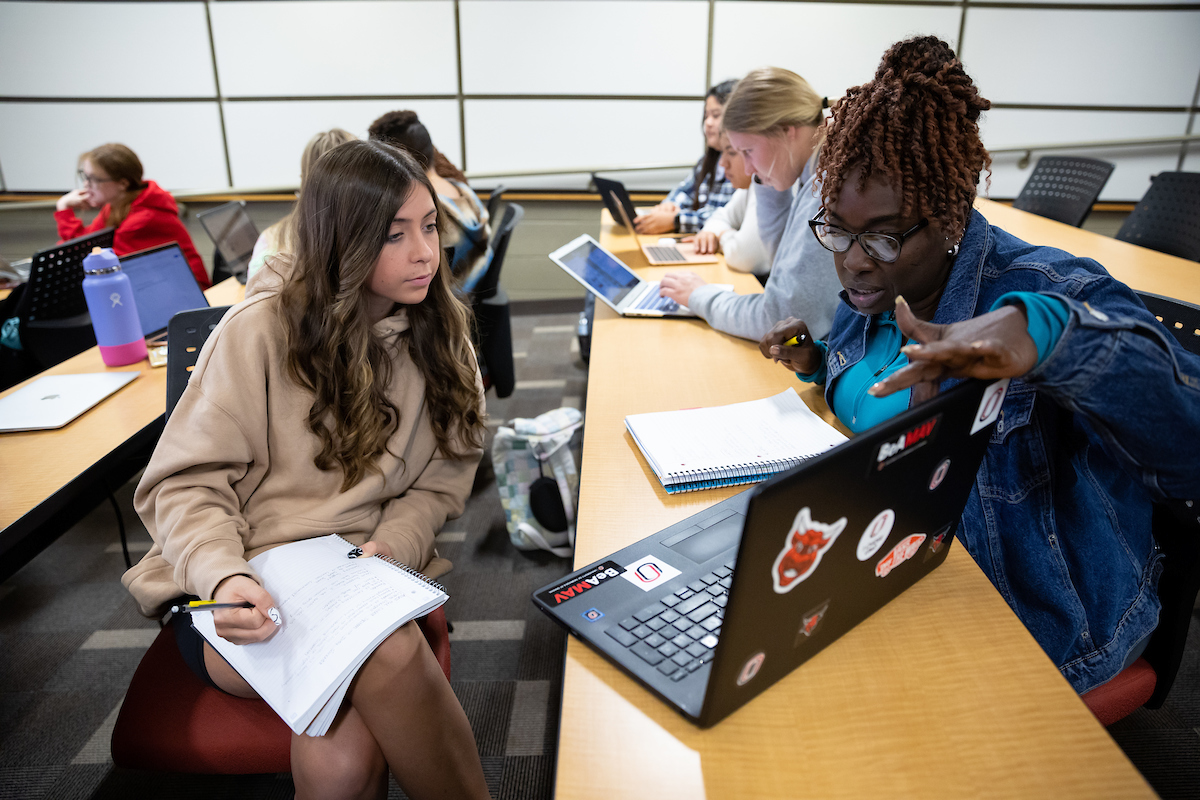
x: 179, y: 144
x: 266, y: 138
x: 606, y: 47
x: 1084, y: 57
x: 105, y: 50
x: 561, y: 134
x: 335, y: 47
x: 759, y: 34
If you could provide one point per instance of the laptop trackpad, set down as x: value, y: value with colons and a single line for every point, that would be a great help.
x: 701, y: 544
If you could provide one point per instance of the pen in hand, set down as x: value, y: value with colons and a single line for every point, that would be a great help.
x: 796, y: 341
x: 207, y: 605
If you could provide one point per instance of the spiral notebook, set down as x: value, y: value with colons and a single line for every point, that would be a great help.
x: 336, y: 610
x: 702, y: 448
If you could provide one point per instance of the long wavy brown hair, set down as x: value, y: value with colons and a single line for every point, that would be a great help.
x: 342, y: 222
x: 916, y: 124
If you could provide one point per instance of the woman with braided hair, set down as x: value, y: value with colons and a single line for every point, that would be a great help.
x: 1060, y: 515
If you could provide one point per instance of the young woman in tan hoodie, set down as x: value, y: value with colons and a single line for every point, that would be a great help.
x: 341, y: 398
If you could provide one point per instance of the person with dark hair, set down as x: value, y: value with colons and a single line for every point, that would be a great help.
x: 144, y: 215
x: 1060, y: 515
x: 774, y: 118
x: 692, y: 202
x: 342, y: 398
x: 468, y: 238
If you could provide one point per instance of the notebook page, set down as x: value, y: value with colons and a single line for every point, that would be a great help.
x: 335, y: 611
x: 757, y: 431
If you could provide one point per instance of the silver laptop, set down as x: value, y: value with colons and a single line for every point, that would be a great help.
x: 54, y: 400
x: 667, y: 252
x: 607, y: 277
x: 233, y: 232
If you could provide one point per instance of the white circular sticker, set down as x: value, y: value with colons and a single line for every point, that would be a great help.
x: 876, y: 534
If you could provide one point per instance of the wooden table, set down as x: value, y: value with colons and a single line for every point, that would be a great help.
x: 52, y: 478
x: 943, y: 693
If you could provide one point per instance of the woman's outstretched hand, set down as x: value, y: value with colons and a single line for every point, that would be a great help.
x: 994, y: 345
x: 803, y: 357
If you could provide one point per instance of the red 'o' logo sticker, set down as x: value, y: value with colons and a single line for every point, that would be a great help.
x: 939, y: 474
x: 750, y: 669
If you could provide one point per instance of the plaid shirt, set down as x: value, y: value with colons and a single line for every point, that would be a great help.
x: 693, y: 219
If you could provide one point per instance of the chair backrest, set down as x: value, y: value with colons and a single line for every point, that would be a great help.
x: 52, y: 315
x: 1176, y: 526
x: 1063, y: 188
x: 493, y: 203
x: 1167, y: 218
x: 186, y: 334
x: 501, y: 234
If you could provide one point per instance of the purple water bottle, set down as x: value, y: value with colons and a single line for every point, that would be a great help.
x: 114, y: 313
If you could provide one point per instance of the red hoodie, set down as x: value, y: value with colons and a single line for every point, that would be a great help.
x: 153, y: 219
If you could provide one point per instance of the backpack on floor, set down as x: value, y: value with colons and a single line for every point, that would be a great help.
x: 538, y: 481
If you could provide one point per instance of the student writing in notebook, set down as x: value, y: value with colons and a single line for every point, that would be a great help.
x: 340, y: 397
x: 1060, y: 515
x: 774, y: 119
x: 693, y: 201
x: 733, y: 229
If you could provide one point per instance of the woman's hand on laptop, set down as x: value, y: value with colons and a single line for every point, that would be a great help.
x: 803, y: 358
x: 679, y: 286
x: 706, y: 242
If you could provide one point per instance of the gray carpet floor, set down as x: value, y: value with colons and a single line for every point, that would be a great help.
x: 70, y: 639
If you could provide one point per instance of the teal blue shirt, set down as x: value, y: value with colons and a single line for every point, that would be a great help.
x: 1047, y: 319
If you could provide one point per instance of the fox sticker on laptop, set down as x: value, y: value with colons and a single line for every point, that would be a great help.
x: 806, y: 542
x: 570, y: 589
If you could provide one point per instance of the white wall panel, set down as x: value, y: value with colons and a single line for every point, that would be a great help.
x: 657, y: 180
x: 1108, y: 58
x: 1134, y: 165
x: 105, y: 50
x: 761, y: 34
x: 179, y: 144
x: 340, y: 47
x: 561, y: 134
x: 266, y: 138
x: 623, y: 47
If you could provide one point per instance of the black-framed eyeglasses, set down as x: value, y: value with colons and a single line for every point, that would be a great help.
x: 85, y: 179
x: 879, y: 246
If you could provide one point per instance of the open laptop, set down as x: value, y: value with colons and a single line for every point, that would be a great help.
x: 163, y: 285
x: 54, y: 400
x: 664, y: 253
x: 607, y: 277
x: 234, y: 233
x: 713, y: 610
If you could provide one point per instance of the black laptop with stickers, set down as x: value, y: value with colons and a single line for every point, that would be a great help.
x: 707, y: 618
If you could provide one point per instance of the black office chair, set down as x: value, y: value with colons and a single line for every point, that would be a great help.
x: 489, y: 301
x: 1167, y: 218
x: 493, y: 203
x: 1176, y: 527
x: 186, y: 334
x: 52, y: 315
x: 1063, y: 188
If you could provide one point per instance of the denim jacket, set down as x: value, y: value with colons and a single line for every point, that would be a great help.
x: 1059, y: 517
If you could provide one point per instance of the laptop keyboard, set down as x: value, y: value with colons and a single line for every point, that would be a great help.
x: 662, y: 252
x: 652, y: 302
x: 677, y: 634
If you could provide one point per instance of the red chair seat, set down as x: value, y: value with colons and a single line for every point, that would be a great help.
x: 1124, y: 694
x: 172, y: 722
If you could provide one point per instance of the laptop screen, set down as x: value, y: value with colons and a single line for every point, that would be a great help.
x: 232, y: 230
x: 163, y: 284
x: 604, y: 274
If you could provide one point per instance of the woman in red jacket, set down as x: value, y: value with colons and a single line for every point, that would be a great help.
x: 141, y: 211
